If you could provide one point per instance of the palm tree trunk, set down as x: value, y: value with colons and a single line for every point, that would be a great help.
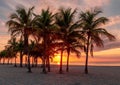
x: 3, y: 60
x: 48, y: 64
x: 0, y: 60
x: 15, y: 65
x: 33, y: 58
x: 44, y: 66
x: 21, y: 59
x: 36, y: 62
x: 11, y: 61
x: 26, y: 44
x: 8, y: 61
x: 45, y: 53
x: 29, y: 67
x: 67, y: 68
x: 42, y: 62
x: 26, y: 61
x: 87, y: 54
x: 60, y: 70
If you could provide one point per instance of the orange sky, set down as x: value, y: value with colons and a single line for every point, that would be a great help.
x: 109, y: 57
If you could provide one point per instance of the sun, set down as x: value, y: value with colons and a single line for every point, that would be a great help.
x: 57, y: 59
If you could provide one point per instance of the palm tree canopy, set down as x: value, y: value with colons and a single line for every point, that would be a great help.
x: 12, y: 42
x: 22, y: 23
x: 45, y: 25
x: 20, y: 20
x: 65, y: 17
x: 45, y: 19
x: 68, y: 31
x: 91, y: 25
x: 3, y: 53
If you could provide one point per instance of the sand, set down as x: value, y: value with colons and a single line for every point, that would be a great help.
x: 10, y: 75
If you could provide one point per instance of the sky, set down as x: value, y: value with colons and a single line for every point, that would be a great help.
x: 109, y: 55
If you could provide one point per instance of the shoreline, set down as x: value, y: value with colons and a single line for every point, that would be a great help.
x: 70, y: 65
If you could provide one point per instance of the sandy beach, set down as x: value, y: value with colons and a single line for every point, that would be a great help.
x: 10, y: 75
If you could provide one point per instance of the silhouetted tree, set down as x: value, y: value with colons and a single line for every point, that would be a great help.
x: 93, y: 31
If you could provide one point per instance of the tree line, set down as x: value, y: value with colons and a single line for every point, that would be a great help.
x: 54, y: 33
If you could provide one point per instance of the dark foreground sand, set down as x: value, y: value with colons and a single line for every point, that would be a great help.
x: 10, y: 75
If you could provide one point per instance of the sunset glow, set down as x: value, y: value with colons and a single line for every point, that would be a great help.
x: 59, y: 42
x: 57, y: 58
x: 109, y: 55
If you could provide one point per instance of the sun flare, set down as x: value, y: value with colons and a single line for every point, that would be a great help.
x: 57, y: 58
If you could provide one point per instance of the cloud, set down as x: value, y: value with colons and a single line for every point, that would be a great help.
x: 113, y: 27
x: 113, y: 20
x: 110, y: 44
x: 2, y: 23
x: 94, y: 3
x: 54, y: 5
x: 3, y: 29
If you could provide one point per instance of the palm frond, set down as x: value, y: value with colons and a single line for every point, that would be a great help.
x: 100, y: 21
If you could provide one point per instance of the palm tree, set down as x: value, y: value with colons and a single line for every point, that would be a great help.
x: 30, y: 48
x: 20, y: 48
x: 68, y: 33
x: 21, y: 23
x: 10, y: 54
x: 37, y: 52
x: 44, y: 22
x: 3, y: 54
x: 93, y: 31
x: 12, y: 50
x: 50, y: 50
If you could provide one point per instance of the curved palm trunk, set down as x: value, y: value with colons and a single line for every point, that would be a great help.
x: 87, y: 54
x: 60, y: 70
x: 67, y: 68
